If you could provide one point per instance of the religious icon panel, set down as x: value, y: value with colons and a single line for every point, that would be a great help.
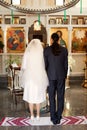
x: 15, y: 40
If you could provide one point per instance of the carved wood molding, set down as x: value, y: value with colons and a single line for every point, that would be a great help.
x: 39, y: 11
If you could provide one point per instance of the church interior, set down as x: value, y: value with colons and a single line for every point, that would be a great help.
x: 20, y: 22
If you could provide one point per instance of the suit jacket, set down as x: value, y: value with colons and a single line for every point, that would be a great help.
x: 56, y: 66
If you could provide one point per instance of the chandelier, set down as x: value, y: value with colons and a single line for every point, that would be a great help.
x: 48, y: 10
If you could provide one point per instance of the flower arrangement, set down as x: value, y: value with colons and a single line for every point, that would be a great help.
x: 12, y: 60
x: 71, y: 63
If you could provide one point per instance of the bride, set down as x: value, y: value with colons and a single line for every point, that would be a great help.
x: 34, y: 76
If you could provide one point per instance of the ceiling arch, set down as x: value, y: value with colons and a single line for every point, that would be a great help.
x: 39, y: 11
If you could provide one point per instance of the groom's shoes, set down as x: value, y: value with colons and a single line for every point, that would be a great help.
x: 55, y: 122
x: 58, y: 121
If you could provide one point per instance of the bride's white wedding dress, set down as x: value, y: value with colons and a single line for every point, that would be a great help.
x: 34, y: 76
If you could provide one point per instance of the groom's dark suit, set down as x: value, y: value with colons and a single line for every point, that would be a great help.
x: 56, y: 67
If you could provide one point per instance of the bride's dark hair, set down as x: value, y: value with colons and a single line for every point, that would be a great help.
x: 55, y: 46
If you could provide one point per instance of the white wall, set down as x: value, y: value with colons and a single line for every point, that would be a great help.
x: 84, y: 5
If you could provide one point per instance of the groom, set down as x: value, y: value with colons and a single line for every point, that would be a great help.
x: 56, y: 64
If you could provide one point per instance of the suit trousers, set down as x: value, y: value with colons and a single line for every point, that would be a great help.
x: 56, y: 89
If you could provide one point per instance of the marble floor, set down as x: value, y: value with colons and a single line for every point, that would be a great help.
x: 75, y: 105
